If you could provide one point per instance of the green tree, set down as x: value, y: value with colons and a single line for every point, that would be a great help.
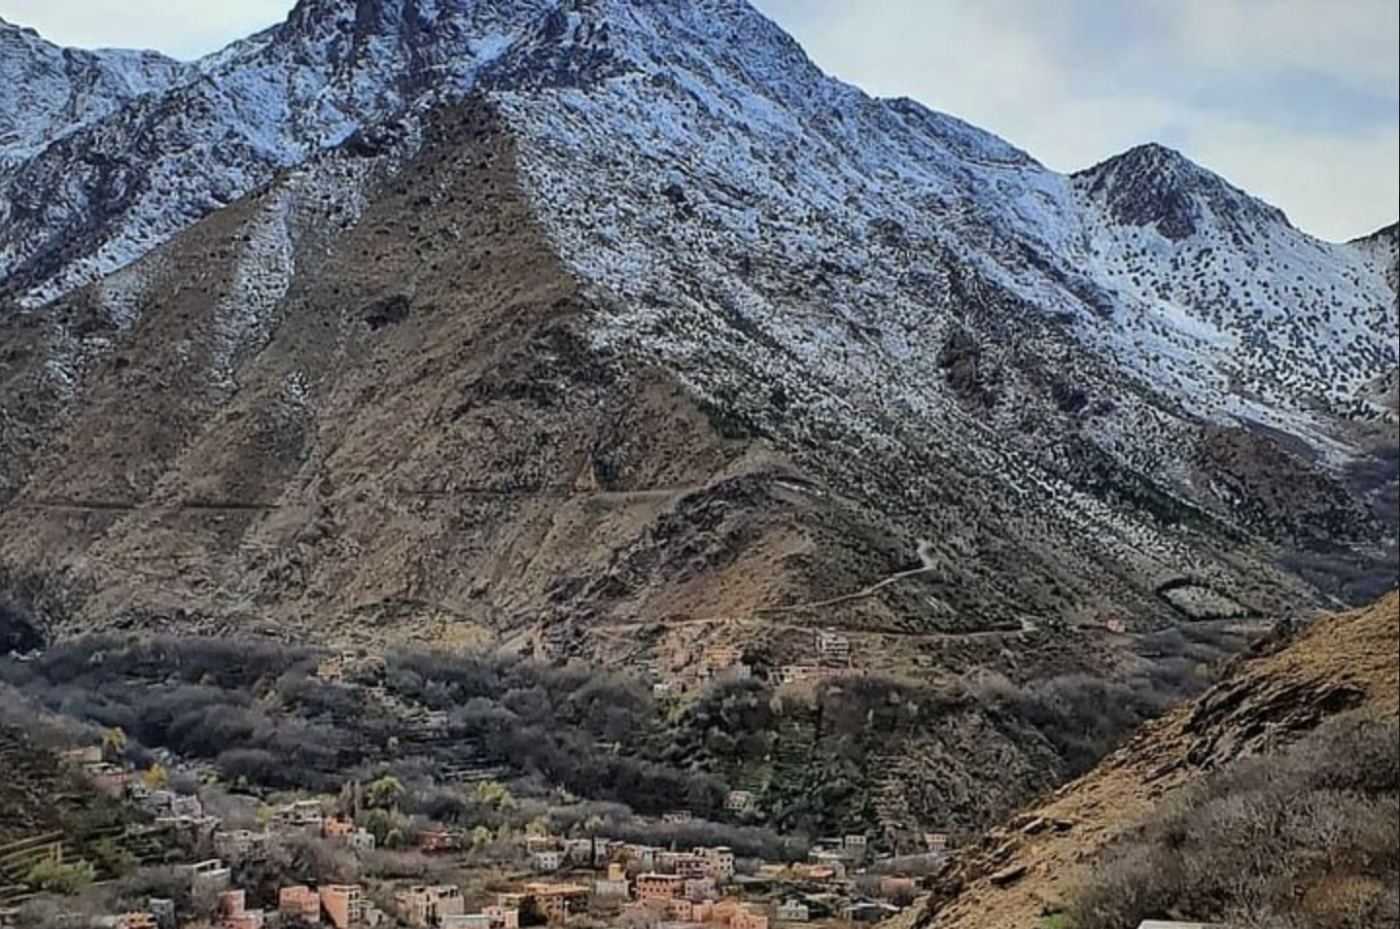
x: 531, y: 913
x: 384, y: 793
x: 59, y: 878
x: 114, y: 744
x: 379, y: 823
x: 495, y: 794
x: 112, y: 860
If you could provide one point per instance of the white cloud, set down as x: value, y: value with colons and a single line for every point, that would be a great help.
x: 1354, y: 41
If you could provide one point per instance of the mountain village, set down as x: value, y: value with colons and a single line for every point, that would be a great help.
x: 470, y: 879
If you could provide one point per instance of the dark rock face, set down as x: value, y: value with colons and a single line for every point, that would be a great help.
x: 17, y: 634
x: 966, y: 369
x: 1155, y: 186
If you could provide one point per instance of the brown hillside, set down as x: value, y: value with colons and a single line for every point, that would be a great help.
x: 416, y: 442
x: 424, y: 432
x: 1346, y: 662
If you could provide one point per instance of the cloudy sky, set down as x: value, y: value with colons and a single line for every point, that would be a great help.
x: 1295, y: 100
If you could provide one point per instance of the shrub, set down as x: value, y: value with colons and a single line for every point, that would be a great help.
x: 1270, y: 841
x: 61, y: 878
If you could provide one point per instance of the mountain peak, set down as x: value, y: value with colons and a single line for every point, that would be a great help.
x: 1388, y: 235
x: 1154, y: 185
x: 47, y: 91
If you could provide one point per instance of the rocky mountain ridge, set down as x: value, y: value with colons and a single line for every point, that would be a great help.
x: 47, y: 92
x: 1133, y: 391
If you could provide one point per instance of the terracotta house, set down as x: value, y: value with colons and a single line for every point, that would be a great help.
x: 429, y: 906
x: 559, y: 901
x: 749, y: 917
x: 301, y: 903
x: 438, y: 842
x: 344, y: 904
x: 660, y: 886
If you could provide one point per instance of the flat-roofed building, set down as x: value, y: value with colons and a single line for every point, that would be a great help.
x: 660, y: 886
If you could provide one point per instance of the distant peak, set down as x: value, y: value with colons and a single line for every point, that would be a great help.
x: 1154, y: 185
x: 1389, y: 234
x: 8, y: 27
x: 1155, y: 152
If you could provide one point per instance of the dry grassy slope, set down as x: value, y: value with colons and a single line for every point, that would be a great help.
x: 1344, y: 663
x: 465, y: 465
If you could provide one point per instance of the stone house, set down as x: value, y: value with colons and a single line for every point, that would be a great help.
x: 834, y: 649
x: 559, y: 901
x: 361, y: 841
x: 503, y: 917
x: 301, y: 815
x: 547, y: 862
x: 206, y: 877
x: 793, y: 911
x: 700, y: 888
x: 615, y: 886
x: 738, y: 800
x: 720, y: 862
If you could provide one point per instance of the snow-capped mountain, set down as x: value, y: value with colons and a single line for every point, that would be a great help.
x: 1097, y: 391
x: 47, y: 92
x: 1383, y: 247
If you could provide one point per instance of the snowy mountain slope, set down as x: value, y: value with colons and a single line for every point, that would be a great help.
x: 1241, y: 313
x: 108, y: 192
x: 1383, y: 249
x: 47, y: 92
x: 789, y: 231
x: 1087, y: 390
x: 1190, y: 283
x: 1196, y: 288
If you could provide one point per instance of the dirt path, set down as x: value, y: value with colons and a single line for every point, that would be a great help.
x: 864, y: 594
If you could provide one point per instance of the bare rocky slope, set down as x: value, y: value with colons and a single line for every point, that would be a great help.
x: 1272, y: 697
x: 621, y: 326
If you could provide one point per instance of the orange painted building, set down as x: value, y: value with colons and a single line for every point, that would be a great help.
x: 337, y: 828
x: 137, y: 921
x: 438, y: 842
x: 749, y: 918
x: 660, y: 886
x: 559, y: 901
x: 344, y: 904
x: 301, y: 902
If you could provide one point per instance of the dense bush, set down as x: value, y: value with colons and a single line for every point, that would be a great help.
x: 256, y: 711
x: 1085, y: 717
x: 1308, y: 837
